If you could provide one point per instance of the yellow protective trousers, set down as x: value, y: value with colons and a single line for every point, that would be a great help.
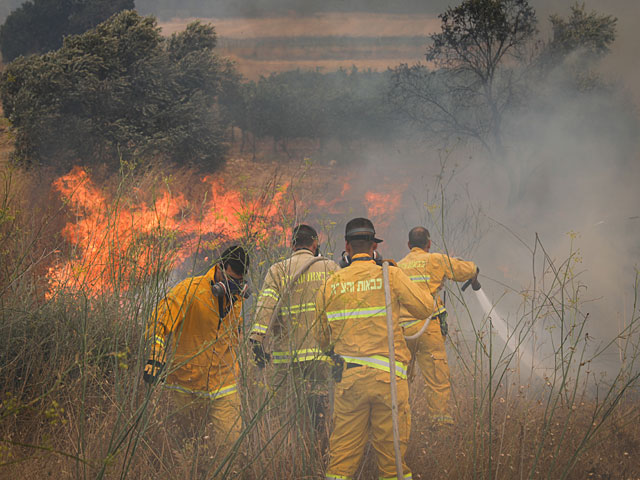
x: 197, y: 416
x: 362, y: 409
x: 428, y: 351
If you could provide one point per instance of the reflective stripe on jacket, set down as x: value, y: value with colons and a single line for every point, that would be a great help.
x: 186, y: 332
x: 352, y: 315
x: 290, y: 337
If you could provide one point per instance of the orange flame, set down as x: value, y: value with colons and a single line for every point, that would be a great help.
x: 117, y: 242
x: 382, y: 207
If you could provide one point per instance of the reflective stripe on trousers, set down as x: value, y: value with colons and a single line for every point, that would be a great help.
x: 379, y: 362
x: 222, y: 392
x: 303, y: 355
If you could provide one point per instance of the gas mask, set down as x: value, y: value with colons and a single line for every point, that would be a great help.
x: 345, y: 260
x: 230, y: 286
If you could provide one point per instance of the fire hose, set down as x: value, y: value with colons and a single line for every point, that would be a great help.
x: 392, y: 370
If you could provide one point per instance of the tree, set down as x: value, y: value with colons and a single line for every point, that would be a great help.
x: 578, y: 41
x: 39, y: 26
x: 477, y: 76
x: 591, y: 33
x: 119, y: 90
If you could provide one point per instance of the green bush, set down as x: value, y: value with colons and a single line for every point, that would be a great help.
x: 117, y: 91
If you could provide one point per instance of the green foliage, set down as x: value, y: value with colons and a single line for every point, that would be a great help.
x: 39, y: 26
x: 578, y: 41
x: 477, y: 35
x: 592, y: 33
x: 339, y: 105
x: 117, y: 91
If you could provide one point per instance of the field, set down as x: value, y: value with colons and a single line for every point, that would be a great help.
x: 325, y: 41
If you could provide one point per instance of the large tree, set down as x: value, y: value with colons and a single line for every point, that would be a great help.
x: 474, y: 75
x: 38, y: 26
x: 119, y: 90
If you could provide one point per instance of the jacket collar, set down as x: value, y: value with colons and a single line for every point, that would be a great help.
x: 211, y: 274
x: 362, y: 256
x: 303, y: 251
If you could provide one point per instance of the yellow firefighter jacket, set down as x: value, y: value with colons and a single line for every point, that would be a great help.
x: 198, y: 334
x: 428, y: 271
x: 352, y: 315
x: 291, y: 332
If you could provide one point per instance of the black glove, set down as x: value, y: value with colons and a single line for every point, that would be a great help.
x: 337, y: 366
x: 444, y: 326
x: 260, y: 357
x: 475, y: 284
x: 152, y: 371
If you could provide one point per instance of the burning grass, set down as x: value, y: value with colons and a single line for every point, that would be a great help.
x: 73, y: 403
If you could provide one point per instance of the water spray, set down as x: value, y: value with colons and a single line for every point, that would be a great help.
x: 499, y: 325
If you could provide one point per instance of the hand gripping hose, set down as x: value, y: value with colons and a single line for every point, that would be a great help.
x: 392, y: 370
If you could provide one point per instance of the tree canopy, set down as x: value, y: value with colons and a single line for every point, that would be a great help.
x: 119, y: 90
x: 38, y: 26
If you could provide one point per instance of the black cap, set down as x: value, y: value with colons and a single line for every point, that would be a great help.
x: 360, y: 228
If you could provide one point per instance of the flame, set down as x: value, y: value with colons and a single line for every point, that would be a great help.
x: 382, y: 207
x: 117, y: 242
x: 336, y: 206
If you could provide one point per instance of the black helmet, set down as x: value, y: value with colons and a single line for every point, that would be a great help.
x: 360, y: 229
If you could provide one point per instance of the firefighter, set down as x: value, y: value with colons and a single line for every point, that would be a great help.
x: 286, y: 316
x: 194, y: 332
x: 429, y: 271
x: 352, y: 321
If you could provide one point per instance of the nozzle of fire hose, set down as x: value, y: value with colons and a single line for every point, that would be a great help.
x: 475, y: 284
